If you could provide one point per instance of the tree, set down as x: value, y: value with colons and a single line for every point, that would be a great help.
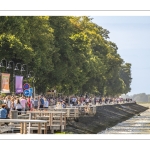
x: 125, y: 75
x: 28, y: 40
x: 70, y: 54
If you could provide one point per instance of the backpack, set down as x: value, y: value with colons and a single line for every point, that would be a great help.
x: 42, y: 101
x: 35, y: 102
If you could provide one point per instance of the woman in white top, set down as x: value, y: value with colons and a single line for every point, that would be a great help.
x: 15, y: 102
x: 18, y: 106
x: 46, y: 104
x: 9, y: 102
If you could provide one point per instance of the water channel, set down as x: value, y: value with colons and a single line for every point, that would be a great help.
x: 139, y: 124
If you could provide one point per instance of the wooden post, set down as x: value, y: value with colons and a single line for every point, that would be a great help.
x: 61, y: 122
x: 65, y: 119
x: 75, y: 112
x: 25, y: 128
x: 45, y: 125
x: 49, y: 119
x: 68, y: 112
x: 29, y: 123
x: 39, y: 128
x: 51, y: 122
x: 21, y: 127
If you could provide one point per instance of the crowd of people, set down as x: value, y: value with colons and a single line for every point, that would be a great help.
x: 85, y: 100
x: 22, y: 103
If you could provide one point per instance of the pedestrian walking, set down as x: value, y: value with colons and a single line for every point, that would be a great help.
x: 18, y: 106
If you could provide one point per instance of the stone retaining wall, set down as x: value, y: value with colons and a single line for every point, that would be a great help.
x: 106, y: 116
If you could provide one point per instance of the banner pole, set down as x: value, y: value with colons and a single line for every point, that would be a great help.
x: 13, y: 84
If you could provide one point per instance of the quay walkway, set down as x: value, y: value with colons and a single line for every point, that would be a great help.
x: 44, y: 121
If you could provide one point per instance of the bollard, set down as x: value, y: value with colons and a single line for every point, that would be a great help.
x: 14, y: 114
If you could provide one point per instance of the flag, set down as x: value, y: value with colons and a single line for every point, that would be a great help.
x: 5, y: 83
x: 19, y: 84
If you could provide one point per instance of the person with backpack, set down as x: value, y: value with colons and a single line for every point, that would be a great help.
x: 36, y: 103
x: 41, y: 102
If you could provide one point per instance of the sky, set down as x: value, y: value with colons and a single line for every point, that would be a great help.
x: 132, y: 37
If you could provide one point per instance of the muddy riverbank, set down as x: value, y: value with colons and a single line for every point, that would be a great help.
x: 106, y: 116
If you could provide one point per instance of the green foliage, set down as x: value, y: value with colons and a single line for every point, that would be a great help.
x: 3, y: 95
x: 125, y: 75
x: 66, y: 53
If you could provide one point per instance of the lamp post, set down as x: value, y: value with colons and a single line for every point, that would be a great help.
x: 22, y: 68
x: 1, y: 64
x: 16, y: 67
x: 29, y: 75
x: 9, y: 67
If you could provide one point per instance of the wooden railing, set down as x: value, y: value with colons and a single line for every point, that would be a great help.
x: 24, y: 124
x: 56, y: 120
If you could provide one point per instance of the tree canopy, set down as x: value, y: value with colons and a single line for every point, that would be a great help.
x: 67, y: 53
